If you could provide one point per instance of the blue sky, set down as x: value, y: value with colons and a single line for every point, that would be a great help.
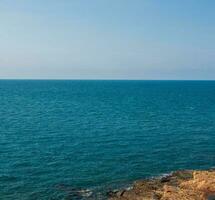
x: 107, y: 39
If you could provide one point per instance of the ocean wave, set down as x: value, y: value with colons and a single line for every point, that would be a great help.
x: 6, y: 178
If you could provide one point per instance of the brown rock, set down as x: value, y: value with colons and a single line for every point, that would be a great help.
x: 180, y: 185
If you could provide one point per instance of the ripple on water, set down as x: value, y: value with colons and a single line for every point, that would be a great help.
x: 100, y: 133
x: 6, y: 178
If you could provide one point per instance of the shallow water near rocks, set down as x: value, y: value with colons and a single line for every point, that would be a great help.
x: 100, y: 135
x: 211, y: 197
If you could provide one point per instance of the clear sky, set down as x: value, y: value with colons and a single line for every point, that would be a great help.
x: 107, y: 39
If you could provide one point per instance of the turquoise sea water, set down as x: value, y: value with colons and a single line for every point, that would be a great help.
x: 59, y: 138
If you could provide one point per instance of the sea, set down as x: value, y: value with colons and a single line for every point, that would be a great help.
x: 79, y: 139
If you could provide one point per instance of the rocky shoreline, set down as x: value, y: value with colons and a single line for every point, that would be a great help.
x: 179, y: 185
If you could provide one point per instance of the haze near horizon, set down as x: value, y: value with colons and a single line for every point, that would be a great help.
x: 103, y: 39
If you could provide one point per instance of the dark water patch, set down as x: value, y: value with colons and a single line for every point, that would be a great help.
x: 6, y: 178
x: 75, y: 193
x: 211, y: 197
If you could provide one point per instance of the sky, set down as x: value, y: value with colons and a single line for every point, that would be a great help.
x: 107, y: 39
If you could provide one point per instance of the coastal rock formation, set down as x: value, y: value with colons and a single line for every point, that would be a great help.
x: 180, y: 185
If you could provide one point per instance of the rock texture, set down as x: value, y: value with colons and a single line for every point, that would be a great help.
x: 180, y: 185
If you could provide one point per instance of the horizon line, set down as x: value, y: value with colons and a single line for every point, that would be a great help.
x: 95, y: 79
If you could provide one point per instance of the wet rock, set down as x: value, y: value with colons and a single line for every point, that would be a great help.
x: 183, y: 175
x: 116, y: 193
x: 165, y: 179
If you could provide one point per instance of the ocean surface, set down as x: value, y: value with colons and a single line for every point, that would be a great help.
x: 63, y: 140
